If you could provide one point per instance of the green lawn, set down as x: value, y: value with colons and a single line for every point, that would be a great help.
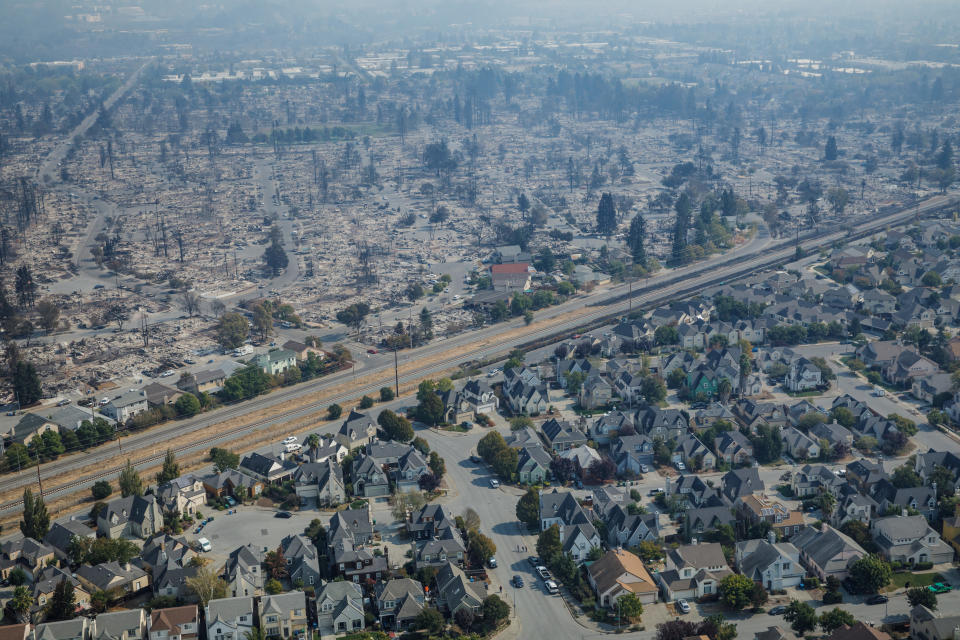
x: 900, y: 580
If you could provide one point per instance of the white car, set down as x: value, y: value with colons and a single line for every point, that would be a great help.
x: 551, y: 587
x: 683, y: 606
x: 495, y: 483
x: 167, y: 373
x: 681, y: 466
x: 289, y: 439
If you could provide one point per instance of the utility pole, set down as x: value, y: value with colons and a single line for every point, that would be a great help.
x: 39, y: 482
x: 396, y: 371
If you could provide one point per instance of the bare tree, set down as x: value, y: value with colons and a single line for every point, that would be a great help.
x: 217, y: 308
x: 190, y: 302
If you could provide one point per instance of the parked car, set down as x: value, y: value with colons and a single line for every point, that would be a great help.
x: 492, y: 562
x: 683, y: 606
x: 518, y: 582
x: 475, y: 459
x: 534, y: 561
x: 778, y: 611
x: 877, y: 599
x: 644, y: 469
x: 681, y: 466
x: 289, y: 439
x: 494, y: 483
x: 940, y: 587
x: 283, y: 514
x: 543, y: 573
x: 551, y: 587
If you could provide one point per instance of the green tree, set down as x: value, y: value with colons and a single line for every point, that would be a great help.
x: 130, y: 482
x: 26, y: 383
x: 20, y: 602
x: 931, y: 279
x: 386, y: 394
x: 274, y: 586
x: 17, y: 457
x: 736, y: 590
x: 830, y: 150
x: 801, y: 616
x: 490, y: 445
x: 870, y: 573
x: 653, y: 390
x: 606, y: 215
x: 101, y: 489
x: 187, y: 405
x: 170, y: 470
x: 904, y: 477
x: 224, y: 459
x: 636, y: 238
x: 232, y: 329
x: 505, y: 463
x: 334, y: 411
x: 528, y: 508
x: 629, y: 606
x: 430, y: 409
x: 63, y: 604
x: 575, y: 380
x: 843, y: 416
x: 480, y: 548
x: 429, y: 619
x: 35, y: 521
x: 832, y: 620
x: 366, y: 402
x: 922, y: 596
x: 494, y: 610
x: 437, y: 466
x: 395, y: 427
x: 666, y: 335
x: 548, y: 544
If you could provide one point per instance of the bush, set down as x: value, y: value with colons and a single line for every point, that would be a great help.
x: 922, y: 566
x: 832, y: 597
x: 334, y: 411
x: 366, y: 402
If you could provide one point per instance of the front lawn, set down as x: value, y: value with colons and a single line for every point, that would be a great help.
x: 900, y: 580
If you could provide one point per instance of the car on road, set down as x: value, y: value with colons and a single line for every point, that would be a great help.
x: 204, y: 544
x: 551, y: 587
x: 371, y: 351
x: 877, y: 599
x: 778, y: 611
x: 289, y: 439
x: 940, y: 587
x: 543, y: 573
x: 167, y: 373
x: 492, y: 562
x: 494, y: 483
x: 683, y: 606
x: 681, y: 466
x: 644, y: 469
x: 517, y: 582
x: 534, y: 561
x: 283, y: 514
x: 63, y: 402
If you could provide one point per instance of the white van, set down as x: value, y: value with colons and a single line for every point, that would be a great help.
x: 204, y: 544
x: 879, y: 392
x: 290, y: 447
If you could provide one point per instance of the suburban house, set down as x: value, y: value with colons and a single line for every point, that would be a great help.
x: 184, y: 495
x: 798, y: 444
x: 243, y: 573
x: 514, y: 276
x: 533, y: 465
x: 826, y: 552
x: 625, y: 530
x: 160, y: 394
x: 76, y: 629
x: 706, y: 519
x: 909, y: 539
x: 125, y: 579
x: 810, y: 480
x: 803, y: 375
x: 620, y: 572
x: 231, y: 482
x: 775, y: 565
x: 562, y: 435
x: 369, y: 478
x: 758, y: 508
x: 632, y: 453
x: 267, y: 468
x: 301, y: 350
x: 131, y: 517
x: 741, y: 482
x: 276, y: 362
x: 46, y: 582
x: 340, y: 608
x: 455, y: 591
x: 358, y: 430
x: 733, y: 447
x: 120, y: 625
x: 303, y: 561
x: 28, y: 554
x: 206, y: 381
x: 284, y: 615
x: 693, y: 571
x: 398, y: 602
x: 175, y: 623
x: 321, y: 483
x: 929, y: 625
x: 229, y: 618
x: 693, y: 453
x: 125, y: 406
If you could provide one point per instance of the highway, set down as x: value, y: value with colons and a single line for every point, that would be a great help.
x: 442, y: 355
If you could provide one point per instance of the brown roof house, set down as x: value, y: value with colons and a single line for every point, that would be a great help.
x: 620, y: 572
x: 175, y: 623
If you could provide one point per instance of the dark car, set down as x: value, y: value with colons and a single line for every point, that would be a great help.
x: 877, y: 599
x: 777, y: 611
x: 534, y: 561
x: 475, y: 459
x: 518, y: 582
x: 283, y: 514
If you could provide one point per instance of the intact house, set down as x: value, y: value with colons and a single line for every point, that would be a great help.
x: 693, y: 453
x: 61, y: 534
x: 827, y: 552
x: 206, y: 381
x: 340, y: 608
x: 398, y: 602
x: 798, y: 444
x: 909, y: 539
x: 243, y: 573
x: 28, y: 554
x: 76, y: 629
x: 45, y: 584
x: 625, y: 530
x: 632, y: 453
x: 184, y: 495
x: 348, y: 537
x: 268, y: 469
x: 229, y: 618
x: 125, y: 406
x: 810, y: 480
x: 284, y: 615
x: 120, y: 625
x: 131, y: 517
x: 455, y: 591
x: 803, y: 375
x: 775, y: 565
x: 533, y: 465
x: 562, y: 435
x: 125, y: 579
x: 232, y: 482
x: 618, y: 573
x: 733, y: 447
x: 758, y: 508
x: 358, y: 430
x: 276, y: 362
x: 693, y: 571
x: 303, y: 562
x: 890, y: 499
x: 321, y: 483
x: 175, y: 623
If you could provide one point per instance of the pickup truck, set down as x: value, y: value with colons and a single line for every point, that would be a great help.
x: 543, y: 573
